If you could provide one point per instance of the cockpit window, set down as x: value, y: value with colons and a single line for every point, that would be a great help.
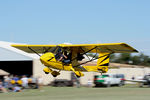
x: 56, y: 50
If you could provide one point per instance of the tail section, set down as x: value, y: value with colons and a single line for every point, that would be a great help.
x: 103, y: 62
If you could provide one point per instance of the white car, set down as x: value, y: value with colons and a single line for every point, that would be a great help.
x: 109, y: 80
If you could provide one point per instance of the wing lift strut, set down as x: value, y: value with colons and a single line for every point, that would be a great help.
x: 34, y: 51
x: 44, y: 50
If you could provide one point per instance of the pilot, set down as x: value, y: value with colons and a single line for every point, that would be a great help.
x: 64, y: 58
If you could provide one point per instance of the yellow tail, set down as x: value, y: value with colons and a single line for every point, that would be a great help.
x: 103, y: 62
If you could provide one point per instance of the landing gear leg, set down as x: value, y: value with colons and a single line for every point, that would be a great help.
x: 101, y: 72
x: 77, y: 73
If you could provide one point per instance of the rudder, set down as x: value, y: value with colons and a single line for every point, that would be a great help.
x: 103, y: 62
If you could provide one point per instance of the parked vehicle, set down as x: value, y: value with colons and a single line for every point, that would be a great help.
x: 145, y: 80
x: 108, y: 80
x: 62, y: 83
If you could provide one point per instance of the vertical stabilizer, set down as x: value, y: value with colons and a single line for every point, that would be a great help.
x: 103, y: 62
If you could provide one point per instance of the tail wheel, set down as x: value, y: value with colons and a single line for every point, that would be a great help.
x: 104, y: 69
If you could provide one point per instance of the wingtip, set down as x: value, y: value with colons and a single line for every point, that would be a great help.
x: 136, y: 51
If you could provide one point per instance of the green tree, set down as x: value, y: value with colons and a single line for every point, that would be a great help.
x: 124, y: 58
x: 145, y: 60
x: 112, y: 57
x: 136, y: 60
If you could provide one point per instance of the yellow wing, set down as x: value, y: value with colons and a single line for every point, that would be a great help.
x: 81, y: 48
x: 37, y: 48
x: 101, y: 48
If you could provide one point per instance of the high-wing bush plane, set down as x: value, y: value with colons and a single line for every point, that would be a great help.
x: 67, y: 56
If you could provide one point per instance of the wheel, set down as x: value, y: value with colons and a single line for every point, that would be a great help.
x: 141, y: 84
x: 54, y: 75
x: 108, y: 84
x: 97, y: 85
x: 46, y: 72
x: 77, y: 76
x: 120, y: 84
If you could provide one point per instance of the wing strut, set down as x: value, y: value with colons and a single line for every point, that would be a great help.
x: 84, y: 53
x: 34, y: 51
x: 46, y: 50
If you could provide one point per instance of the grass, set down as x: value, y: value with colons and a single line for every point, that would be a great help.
x: 72, y: 93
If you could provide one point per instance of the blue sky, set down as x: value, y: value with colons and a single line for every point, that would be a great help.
x: 76, y: 21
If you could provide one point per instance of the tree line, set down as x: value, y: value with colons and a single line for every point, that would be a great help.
x: 127, y: 58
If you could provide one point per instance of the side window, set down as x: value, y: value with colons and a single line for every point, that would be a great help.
x: 117, y: 76
x: 114, y: 76
x: 80, y: 57
x: 58, y: 52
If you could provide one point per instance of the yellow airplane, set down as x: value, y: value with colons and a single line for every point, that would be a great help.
x: 67, y: 56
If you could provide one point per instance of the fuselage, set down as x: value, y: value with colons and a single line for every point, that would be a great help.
x: 49, y: 60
